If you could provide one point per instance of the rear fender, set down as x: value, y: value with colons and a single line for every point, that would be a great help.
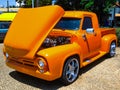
x: 106, y: 41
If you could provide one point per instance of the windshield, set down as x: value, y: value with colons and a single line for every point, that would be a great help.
x: 4, y: 25
x: 68, y: 23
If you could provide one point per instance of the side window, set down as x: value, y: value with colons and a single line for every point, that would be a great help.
x: 87, y: 23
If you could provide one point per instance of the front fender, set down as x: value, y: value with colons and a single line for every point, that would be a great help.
x: 106, y: 41
x: 56, y: 56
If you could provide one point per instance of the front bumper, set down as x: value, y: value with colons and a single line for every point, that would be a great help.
x: 30, y: 70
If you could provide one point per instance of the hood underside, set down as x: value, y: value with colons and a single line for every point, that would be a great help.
x: 29, y: 29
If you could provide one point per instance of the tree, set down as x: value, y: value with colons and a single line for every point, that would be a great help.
x: 100, y: 7
x: 27, y: 3
x: 37, y: 3
x: 117, y: 3
x: 20, y: 2
x: 86, y: 5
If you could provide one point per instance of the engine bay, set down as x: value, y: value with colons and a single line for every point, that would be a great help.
x: 52, y: 41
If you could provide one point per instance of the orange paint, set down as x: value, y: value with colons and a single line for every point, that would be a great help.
x: 26, y: 43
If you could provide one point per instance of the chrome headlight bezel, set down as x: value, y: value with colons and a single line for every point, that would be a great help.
x: 42, y: 65
x: 7, y: 55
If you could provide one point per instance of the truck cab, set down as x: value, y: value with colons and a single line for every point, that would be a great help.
x: 88, y: 32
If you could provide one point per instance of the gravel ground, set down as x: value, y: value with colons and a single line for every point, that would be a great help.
x: 104, y: 74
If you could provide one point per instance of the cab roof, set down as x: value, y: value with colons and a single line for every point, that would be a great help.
x: 77, y: 14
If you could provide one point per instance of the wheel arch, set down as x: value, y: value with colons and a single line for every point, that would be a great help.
x: 106, y: 41
x: 112, y: 49
x: 73, y: 55
x: 62, y: 78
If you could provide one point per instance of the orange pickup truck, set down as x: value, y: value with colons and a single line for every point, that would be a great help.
x: 49, y: 43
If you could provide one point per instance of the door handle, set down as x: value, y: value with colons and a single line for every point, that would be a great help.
x: 84, y: 36
x: 95, y: 34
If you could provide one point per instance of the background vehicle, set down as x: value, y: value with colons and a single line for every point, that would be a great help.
x: 49, y: 43
x: 5, y: 21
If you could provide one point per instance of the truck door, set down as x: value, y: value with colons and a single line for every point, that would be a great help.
x: 92, y: 36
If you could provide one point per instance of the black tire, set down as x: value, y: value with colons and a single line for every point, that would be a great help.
x: 18, y: 72
x: 112, y: 50
x: 70, y: 71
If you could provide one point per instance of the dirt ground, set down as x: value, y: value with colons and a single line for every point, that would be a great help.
x: 104, y: 74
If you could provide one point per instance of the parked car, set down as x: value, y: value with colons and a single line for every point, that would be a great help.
x: 5, y: 21
x: 50, y: 43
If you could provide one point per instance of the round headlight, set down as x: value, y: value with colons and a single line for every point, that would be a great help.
x: 41, y: 64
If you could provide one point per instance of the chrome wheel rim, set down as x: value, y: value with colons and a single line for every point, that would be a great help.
x: 72, y: 70
x: 113, y: 49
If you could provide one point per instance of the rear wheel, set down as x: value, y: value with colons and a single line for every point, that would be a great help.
x: 70, y: 71
x: 112, y: 50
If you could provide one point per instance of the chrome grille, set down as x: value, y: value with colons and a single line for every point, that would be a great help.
x: 24, y: 62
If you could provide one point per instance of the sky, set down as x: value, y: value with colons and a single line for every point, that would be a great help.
x: 4, y: 2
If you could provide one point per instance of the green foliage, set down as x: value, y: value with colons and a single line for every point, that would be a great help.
x: 66, y: 4
x: 108, y: 4
x: 45, y: 2
x: 28, y: 3
x: 118, y: 35
x: 87, y: 5
x: 100, y: 7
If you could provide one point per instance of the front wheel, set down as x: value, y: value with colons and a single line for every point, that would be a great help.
x: 112, y: 50
x: 70, y: 71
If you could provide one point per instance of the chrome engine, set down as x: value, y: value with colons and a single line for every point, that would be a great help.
x: 52, y: 41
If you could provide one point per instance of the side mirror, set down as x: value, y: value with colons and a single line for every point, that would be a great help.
x: 90, y: 30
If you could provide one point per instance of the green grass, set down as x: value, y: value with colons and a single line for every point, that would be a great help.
x: 118, y: 35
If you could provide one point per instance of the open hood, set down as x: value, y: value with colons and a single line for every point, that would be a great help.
x: 29, y: 29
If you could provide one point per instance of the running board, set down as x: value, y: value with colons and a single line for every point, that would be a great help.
x: 88, y: 61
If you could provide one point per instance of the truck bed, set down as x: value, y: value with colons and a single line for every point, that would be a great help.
x: 105, y: 31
